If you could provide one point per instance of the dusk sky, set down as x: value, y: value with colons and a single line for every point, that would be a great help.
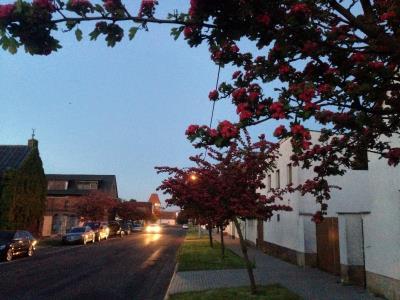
x: 122, y: 110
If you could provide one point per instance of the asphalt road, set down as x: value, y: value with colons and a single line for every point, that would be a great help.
x: 138, y: 266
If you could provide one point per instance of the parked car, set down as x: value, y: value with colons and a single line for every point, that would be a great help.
x: 185, y: 226
x: 116, y: 229
x: 153, y: 228
x: 126, y: 227
x: 16, y: 242
x: 81, y: 234
x: 137, y: 227
x: 100, y: 229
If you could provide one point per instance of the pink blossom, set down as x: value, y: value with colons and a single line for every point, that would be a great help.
x: 280, y: 130
x: 264, y: 19
x: 6, y: 10
x: 213, y: 95
x: 192, y: 129
x: 44, y: 4
x: 227, y: 129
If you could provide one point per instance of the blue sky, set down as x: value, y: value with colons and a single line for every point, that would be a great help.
x: 122, y: 110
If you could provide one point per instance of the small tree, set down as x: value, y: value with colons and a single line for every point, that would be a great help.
x: 129, y: 211
x: 230, y: 186
x: 97, y: 206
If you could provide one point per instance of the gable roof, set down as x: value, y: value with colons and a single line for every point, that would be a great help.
x: 11, y: 157
x: 107, y: 184
x: 154, y: 199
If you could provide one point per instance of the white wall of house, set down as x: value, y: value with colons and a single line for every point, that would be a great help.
x: 367, y: 207
x: 251, y: 230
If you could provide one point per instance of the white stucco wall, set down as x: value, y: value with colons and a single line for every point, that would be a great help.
x: 371, y: 195
x: 251, y: 230
x: 382, y: 225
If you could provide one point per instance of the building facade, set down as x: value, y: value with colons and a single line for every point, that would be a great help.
x: 22, y: 187
x: 359, y: 239
x: 64, y: 194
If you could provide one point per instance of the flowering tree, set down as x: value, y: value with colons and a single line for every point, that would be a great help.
x: 129, y: 211
x: 96, y: 206
x: 332, y: 62
x: 229, y: 187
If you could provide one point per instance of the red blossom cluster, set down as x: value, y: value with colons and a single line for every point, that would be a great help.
x: 6, y: 10
x: 45, y: 4
x: 147, y: 8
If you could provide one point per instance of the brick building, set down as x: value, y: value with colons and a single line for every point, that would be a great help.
x: 64, y: 193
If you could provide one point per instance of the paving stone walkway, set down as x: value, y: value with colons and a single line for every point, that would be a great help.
x: 309, y: 283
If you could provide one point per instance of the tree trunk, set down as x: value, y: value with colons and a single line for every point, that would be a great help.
x: 222, y: 243
x: 249, y: 268
x: 210, y: 236
x: 199, y: 231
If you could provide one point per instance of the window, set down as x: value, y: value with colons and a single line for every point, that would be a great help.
x: 57, y: 185
x: 289, y: 174
x: 278, y: 217
x: 278, y: 179
x: 87, y: 185
x: 269, y: 183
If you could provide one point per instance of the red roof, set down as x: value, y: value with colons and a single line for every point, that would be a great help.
x: 154, y: 199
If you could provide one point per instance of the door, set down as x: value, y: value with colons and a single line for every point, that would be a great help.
x: 328, y: 256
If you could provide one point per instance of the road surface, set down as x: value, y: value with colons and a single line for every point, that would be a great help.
x: 138, y: 267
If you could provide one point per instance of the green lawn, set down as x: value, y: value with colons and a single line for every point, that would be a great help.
x: 269, y: 292
x: 196, y: 254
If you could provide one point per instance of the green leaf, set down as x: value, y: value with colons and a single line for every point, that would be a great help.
x: 176, y: 32
x: 12, y: 46
x: 78, y: 34
x: 132, y: 32
x: 4, y: 41
x: 71, y: 24
x: 99, y: 8
x: 94, y: 35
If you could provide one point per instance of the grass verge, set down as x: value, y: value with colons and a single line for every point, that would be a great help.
x: 269, y: 292
x: 196, y: 254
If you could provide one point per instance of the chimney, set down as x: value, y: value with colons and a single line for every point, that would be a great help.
x: 33, y: 144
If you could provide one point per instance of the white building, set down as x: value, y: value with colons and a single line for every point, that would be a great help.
x: 360, y: 237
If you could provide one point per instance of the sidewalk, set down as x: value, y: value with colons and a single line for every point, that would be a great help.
x: 307, y: 282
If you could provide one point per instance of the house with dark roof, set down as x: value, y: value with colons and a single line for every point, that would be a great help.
x: 22, y: 187
x: 64, y: 194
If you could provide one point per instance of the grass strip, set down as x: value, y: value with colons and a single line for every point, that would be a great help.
x: 269, y: 292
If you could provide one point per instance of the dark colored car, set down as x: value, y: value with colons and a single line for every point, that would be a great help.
x: 82, y: 235
x: 116, y: 229
x: 16, y: 242
x: 127, y: 227
x: 100, y: 229
x: 137, y: 227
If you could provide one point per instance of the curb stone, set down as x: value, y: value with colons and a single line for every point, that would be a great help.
x: 166, y: 297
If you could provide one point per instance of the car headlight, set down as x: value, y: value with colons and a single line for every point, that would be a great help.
x: 2, y: 247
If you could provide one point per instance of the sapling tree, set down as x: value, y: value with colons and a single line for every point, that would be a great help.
x: 230, y: 184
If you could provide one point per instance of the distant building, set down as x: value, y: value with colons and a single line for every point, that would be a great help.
x: 155, y: 202
x: 168, y: 217
x: 22, y: 187
x: 64, y: 193
x: 164, y: 217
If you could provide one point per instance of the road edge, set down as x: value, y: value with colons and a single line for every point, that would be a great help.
x: 166, y: 297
